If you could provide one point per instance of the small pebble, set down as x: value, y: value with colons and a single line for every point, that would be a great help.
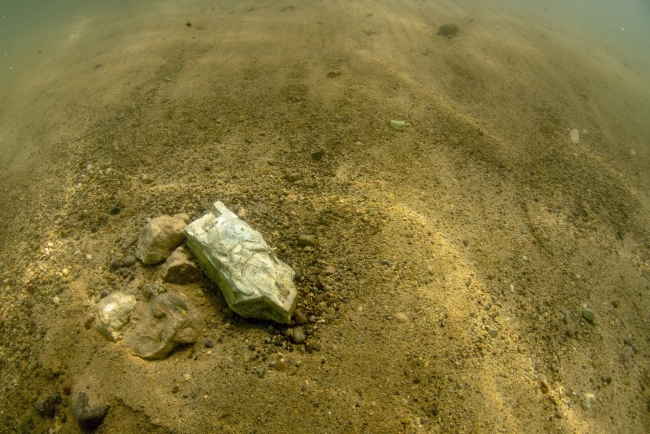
x: 398, y: 125
x: 626, y: 357
x: 493, y: 332
x: 129, y: 260
x: 401, y: 317
x: 589, y: 315
x: 306, y: 240
x: 208, y: 343
x: 300, y: 317
x: 293, y: 177
x: 298, y: 335
x: 543, y: 385
x: 588, y: 401
x: 329, y: 270
x: 575, y: 136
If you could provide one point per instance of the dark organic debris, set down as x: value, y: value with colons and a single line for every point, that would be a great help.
x: 448, y: 30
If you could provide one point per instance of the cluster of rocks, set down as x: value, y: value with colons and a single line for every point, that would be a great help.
x: 254, y: 282
x: 152, y: 327
x: 89, y: 417
x: 159, y: 241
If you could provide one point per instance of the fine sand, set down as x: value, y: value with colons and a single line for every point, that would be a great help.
x: 465, y: 247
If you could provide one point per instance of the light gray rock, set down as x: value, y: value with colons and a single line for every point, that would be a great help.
x: 159, y: 238
x: 298, y: 335
x: 254, y: 282
x: 179, y: 269
x: 398, y: 125
x: 160, y: 323
x: 114, y: 312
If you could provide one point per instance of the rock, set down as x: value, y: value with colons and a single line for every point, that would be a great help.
x: 47, y: 407
x: 183, y: 216
x: 398, y: 125
x: 588, y: 400
x: 88, y: 418
x: 253, y: 281
x: 589, y: 315
x: 306, y: 240
x: 208, y: 343
x: 329, y: 270
x: 159, y: 238
x: 128, y: 261
x: 179, y: 269
x: 566, y: 316
x: 293, y: 177
x: 114, y: 312
x: 575, y: 136
x: 300, y: 317
x: 401, y: 317
x: 493, y: 332
x: 626, y: 357
x: 162, y: 322
x: 298, y: 335
x: 544, y: 387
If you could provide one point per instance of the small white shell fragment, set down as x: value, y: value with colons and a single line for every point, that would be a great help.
x: 575, y: 136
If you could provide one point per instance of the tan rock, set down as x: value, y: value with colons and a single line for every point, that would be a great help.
x: 179, y: 269
x: 159, y: 238
x: 161, y: 323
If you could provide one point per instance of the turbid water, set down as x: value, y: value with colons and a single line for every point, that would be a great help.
x: 479, y: 271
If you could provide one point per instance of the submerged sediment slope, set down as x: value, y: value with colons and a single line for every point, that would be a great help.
x: 449, y: 266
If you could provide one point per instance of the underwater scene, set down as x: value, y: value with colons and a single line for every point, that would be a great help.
x: 308, y: 216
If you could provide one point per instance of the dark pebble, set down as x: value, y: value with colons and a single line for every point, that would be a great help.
x: 208, y: 343
x: 47, y: 407
x: 301, y: 318
x: 115, y: 210
x: 306, y: 240
x: 88, y: 417
x: 293, y: 177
